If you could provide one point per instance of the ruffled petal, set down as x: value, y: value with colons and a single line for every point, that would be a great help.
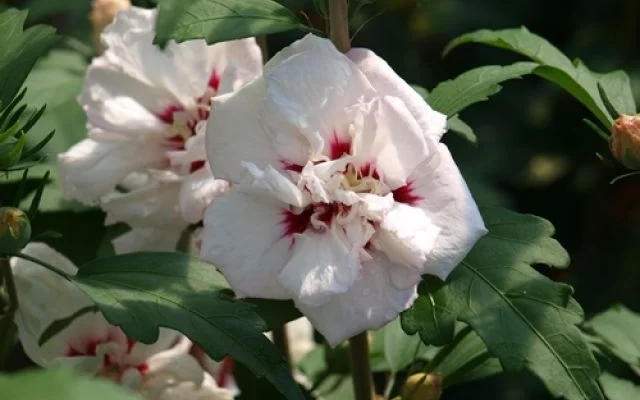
x: 238, y: 62
x: 387, y: 83
x: 243, y: 237
x: 148, y: 239
x: 391, y: 140
x: 91, y: 169
x: 445, y: 198
x: 371, y: 303
x: 197, y: 191
x: 321, y: 266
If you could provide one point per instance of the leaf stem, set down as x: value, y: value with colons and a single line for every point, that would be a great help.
x: 42, y: 264
x: 361, y: 367
x: 339, y: 24
x: 7, y: 330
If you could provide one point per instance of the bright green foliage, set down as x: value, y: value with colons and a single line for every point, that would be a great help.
x: 619, y: 389
x: 144, y: 291
x: 525, y: 319
x: 19, y: 50
x: 400, y: 349
x: 220, y: 20
x: 460, y: 127
x: 452, y: 96
x: 617, y: 87
x: 574, y: 77
x: 59, y: 384
x: 619, y: 328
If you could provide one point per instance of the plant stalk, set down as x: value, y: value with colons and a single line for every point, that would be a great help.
x: 281, y: 340
x: 7, y: 329
x: 361, y: 367
x: 339, y: 24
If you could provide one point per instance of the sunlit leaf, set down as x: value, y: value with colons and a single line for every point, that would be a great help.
x: 619, y: 327
x: 619, y: 389
x: 455, y: 124
x: 617, y: 87
x: 221, y: 20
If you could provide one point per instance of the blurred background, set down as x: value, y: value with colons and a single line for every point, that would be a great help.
x: 533, y: 155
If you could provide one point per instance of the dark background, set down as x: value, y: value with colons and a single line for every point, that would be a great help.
x: 534, y: 154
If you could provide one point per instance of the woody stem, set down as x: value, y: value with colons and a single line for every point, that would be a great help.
x: 339, y: 24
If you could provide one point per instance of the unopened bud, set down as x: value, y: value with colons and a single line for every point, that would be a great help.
x: 102, y: 14
x: 422, y: 386
x: 625, y: 141
x: 15, y: 230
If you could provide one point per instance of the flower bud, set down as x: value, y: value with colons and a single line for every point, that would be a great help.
x: 15, y: 230
x: 625, y: 141
x: 102, y: 14
x: 422, y: 386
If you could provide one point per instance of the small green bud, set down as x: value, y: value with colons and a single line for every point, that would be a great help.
x: 15, y: 230
x: 422, y: 386
x: 625, y: 141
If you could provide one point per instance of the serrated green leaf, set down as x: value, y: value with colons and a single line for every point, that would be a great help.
x: 59, y: 384
x: 556, y: 67
x: 617, y: 87
x: 619, y: 389
x: 463, y: 130
x: 144, y: 291
x: 526, y: 320
x: 619, y: 328
x: 452, y: 96
x: 19, y: 50
x: 218, y: 20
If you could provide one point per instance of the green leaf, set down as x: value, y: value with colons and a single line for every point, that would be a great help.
x: 59, y: 384
x: 221, y: 20
x: 619, y: 328
x: 556, y: 67
x: 460, y: 127
x: 452, y: 96
x: 526, y: 320
x: 400, y: 349
x: 619, y: 389
x: 56, y: 81
x: 617, y: 87
x: 144, y: 291
x: 19, y: 50
x: 60, y: 325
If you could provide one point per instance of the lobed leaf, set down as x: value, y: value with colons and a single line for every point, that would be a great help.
x: 144, y: 291
x: 619, y: 328
x: 619, y: 389
x: 221, y: 20
x: 526, y: 320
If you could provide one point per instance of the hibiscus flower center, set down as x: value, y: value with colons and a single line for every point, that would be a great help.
x: 182, y: 121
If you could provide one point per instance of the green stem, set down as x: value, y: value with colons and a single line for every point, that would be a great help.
x: 42, y: 264
x: 361, y: 367
x: 339, y: 24
x: 7, y: 328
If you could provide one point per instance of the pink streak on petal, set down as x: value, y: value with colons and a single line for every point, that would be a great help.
x: 295, y: 223
x: 166, y: 115
x: 196, y: 165
x: 404, y: 194
x: 226, y: 369
x: 338, y: 147
x: 290, y: 166
x: 368, y: 169
x: 214, y: 80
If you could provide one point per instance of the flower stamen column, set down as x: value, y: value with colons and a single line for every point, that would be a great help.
x: 359, y: 344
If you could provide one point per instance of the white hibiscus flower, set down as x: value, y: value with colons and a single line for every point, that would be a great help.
x: 147, y: 110
x: 343, y: 196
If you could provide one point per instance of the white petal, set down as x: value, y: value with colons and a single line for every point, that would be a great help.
x: 387, y: 83
x: 90, y: 169
x: 371, y: 303
x: 311, y: 90
x: 37, y: 288
x: 197, y: 191
x: 170, y: 344
x: 300, y: 334
x: 155, y: 205
x: 407, y: 236
x: 392, y: 140
x: 447, y: 201
x: 271, y: 183
x: 321, y: 266
x: 209, y: 390
x: 148, y: 239
x: 243, y: 237
x: 238, y: 61
x: 235, y: 133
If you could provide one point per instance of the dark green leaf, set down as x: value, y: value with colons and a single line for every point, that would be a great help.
x: 451, y: 97
x: 35, y: 203
x: 19, y: 50
x: 525, y: 319
x: 59, y: 384
x: 619, y: 327
x: 6, y: 111
x: 221, y: 20
x: 619, y: 389
x: 144, y: 291
x: 556, y: 67
x: 400, y: 349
